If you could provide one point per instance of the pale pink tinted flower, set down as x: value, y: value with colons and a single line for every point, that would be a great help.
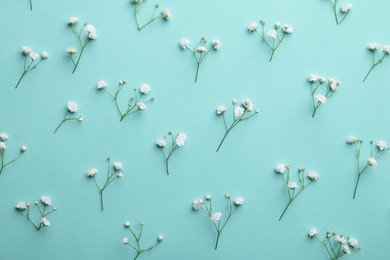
x: 320, y: 98
x: 46, y: 200
x: 184, y: 43
x: 238, y: 111
x: 252, y: 27
x: 239, y: 201
x: 118, y: 166
x: 216, y: 216
x: 161, y: 143
x: 197, y: 204
x: 313, y: 233
x: 101, y: 84
x: 292, y: 185
x: 72, y: 107
x: 92, y: 172
x: 180, y: 140
x: 280, y: 168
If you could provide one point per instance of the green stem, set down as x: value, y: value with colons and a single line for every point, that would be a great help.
x: 138, y: 253
x: 216, y: 243
x: 31, y: 6
x: 101, y: 200
x: 20, y: 79
x: 285, y: 209
x: 197, y: 71
x: 79, y: 58
x: 223, y: 139
x: 167, y: 166
x: 58, y: 127
x: 356, y: 186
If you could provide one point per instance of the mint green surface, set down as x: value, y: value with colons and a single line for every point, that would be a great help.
x: 283, y: 132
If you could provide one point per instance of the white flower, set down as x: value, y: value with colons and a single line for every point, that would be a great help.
x: 122, y: 82
x: 3, y: 136
x: 44, y: 55
x: 161, y: 143
x: 184, y: 43
x: 45, y: 222
x: 125, y: 240
x: 234, y: 101
x: 321, y: 79
x: 216, y: 216
x: 216, y: 44
x: 80, y: 119
x: 34, y: 56
x: 238, y: 111
x: 160, y: 238
x: 221, y: 110
x: 292, y: 185
x: 73, y: 20
x: 208, y: 196
x: 144, y: 89
x: 21, y: 206
x: 313, y: 233
x: 346, y: 8
x: 381, y: 145
x: 248, y: 104
x: 120, y: 175
x: 197, y: 204
x: 321, y: 98
x: 2, y: 146
x: 372, y: 162
x: 334, y: 84
x: 239, y: 201
x: 166, y: 14
x: 252, y: 27
x: 386, y: 49
x: 127, y: 224
x: 313, y: 176
x: 90, y: 28
x: 277, y: 25
x: 351, y: 140
x: 23, y: 149
x: 180, y: 139
x: 141, y: 106
x: 201, y: 49
x: 118, y: 166
x: 374, y: 46
x: 46, y: 200
x: 280, y: 168
x: 72, y: 107
x: 92, y: 172
x: 313, y: 78
x: 101, y: 84
x: 353, y: 243
x: 272, y: 34
x: 92, y: 35
x: 26, y: 50
x: 287, y: 29
x: 346, y: 249
x: 341, y: 240
x: 71, y: 50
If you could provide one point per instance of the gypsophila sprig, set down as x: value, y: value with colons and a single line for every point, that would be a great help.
x: 374, y: 48
x: 294, y: 189
x: 3, y: 149
x: 335, y: 245
x: 31, y: 61
x: 170, y: 144
x: 275, y: 35
x: 44, y: 207
x: 377, y: 150
x: 200, y: 51
x: 85, y: 34
x: 70, y: 108
x: 321, y: 97
x: 241, y: 113
x: 113, y: 172
x: 215, y: 217
x: 344, y: 10
x: 137, y: 237
x: 164, y: 15
x: 137, y: 102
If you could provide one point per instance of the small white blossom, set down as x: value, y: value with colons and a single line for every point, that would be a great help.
x: 372, y: 162
x: 23, y: 149
x: 141, y: 106
x: 125, y: 240
x: 101, y: 84
x: 238, y: 111
x: 248, y: 104
x: 166, y: 14
x: 118, y: 166
x: 184, y: 43
x: 217, y: 44
x: 321, y: 79
x: 201, y: 49
x: 221, y: 110
x: 197, y: 204
x: 287, y: 29
x: 90, y: 28
x: 92, y: 35
x: 73, y: 20
x: 44, y: 55
x: 160, y: 238
x: 341, y: 240
x: 386, y: 49
x: 72, y: 107
x: 239, y: 201
x: 161, y: 143
x: 34, y: 56
x: 80, y: 119
x: 3, y: 136
x: 127, y: 224
x: 92, y: 172
x: 216, y: 216
x: 292, y: 185
x: 26, y: 50
x: 180, y: 139
x: 346, y: 8
x: 144, y: 89
x: 46, y: 200
x: 313, y: 233
x: 280, y: 168
x: 321, y: 98
x: 122, y: 82
x: 346, y: 249
x: 313, y: 176
x: 21, y: 206
x: 234, y: 101
x: 374, y: 46
x: 353, y: 243
x: 2, y: 146
x: 351, y: 140
x: 272, y: 34
x: 208, y: 197
x: 71, y: 50
x: 120, y: 175
x: 381, y: 145
x: 313, y: 78
x: 252, y: 27
x: 45, y: 222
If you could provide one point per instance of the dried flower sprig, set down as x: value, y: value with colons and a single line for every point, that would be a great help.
x: 200, y: 51
x: 113, y: 173
x: 335, y: 245
x: 176, y: 143
x: 345, y: 9
x: 371, y: 162
x: 374, y: 48
x: 44, y: 207
x: 137, y: 238
x: 35, y: 60
x: 139, y: 4
x: 136, y: 103
x: 293, y: 188
x: 273, y: 34
x: 83, y: 41
x: 215, y: 217
x: 3, y: 148
x: 241, y: 113
x: 70, y: 108
x: 319, y: 99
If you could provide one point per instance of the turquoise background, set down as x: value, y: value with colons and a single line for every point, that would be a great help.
x: 283, y: 132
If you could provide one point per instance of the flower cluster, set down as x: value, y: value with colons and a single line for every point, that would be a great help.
x: 31, y: 61
x: 44, y: 207
x: 200, y: 51
x: 165, y: 14
x: 176, y: 143
x: 72, y: 108
x: 215, y: 216
x: 336, y: 245
x: 319, y: 99
x: 136, y: 103
x: 137, y: 238
x: 293, y: 188
x: 241, y: 112
x: 83, y: 40
x: 3, y: 148
x: 374, y: 48
x: 376, y: 151
x: 276, y: 35
x: 345, y: 9
x: 113, y: 172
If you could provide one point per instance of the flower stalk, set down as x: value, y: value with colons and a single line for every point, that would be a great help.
x: 71, y: 108
x: 345, y: 9
x: 139, y: 4
x: 175, y: 143
x: 44, y: 207
x: 374, y: 48
x: 3, y: 148
x: 31, y: 62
